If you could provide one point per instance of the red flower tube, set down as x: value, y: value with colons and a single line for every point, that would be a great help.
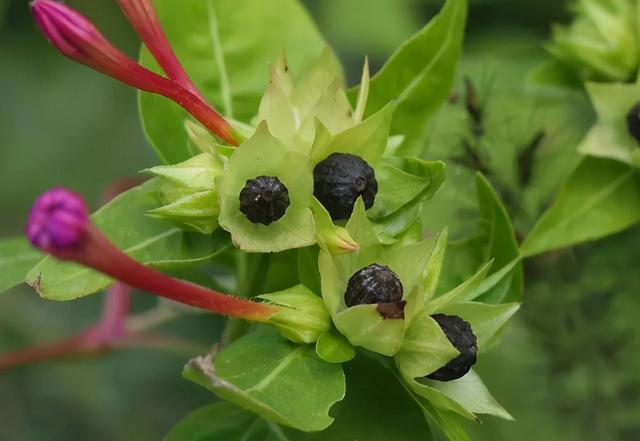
x: 76, y: 38
x: 59, y: 224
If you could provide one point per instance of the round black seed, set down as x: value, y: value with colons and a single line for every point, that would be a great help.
x: 264, y: 199
x: 461, y: 336
x: 373, y: 284
x: 633, y: 121
x: 339, y: 180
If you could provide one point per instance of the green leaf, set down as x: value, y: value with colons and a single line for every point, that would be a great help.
x: 420, y: 73
x: 308, y: 268
x: 461, y: 292
x: 281, y: 381
x: 226, y: 47
x: 471, y: 393
x: 223, y: 422
x: 334, y: 348
x: 150, y: 241
x: 501, y: 240
x: 600, y: 198
x: 376, y: 408
x: 405, y: 183
x: 17, y: 256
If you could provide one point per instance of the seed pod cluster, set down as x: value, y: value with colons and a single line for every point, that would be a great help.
x: 633, y: 121
x: 461, y: 336
x: 264, y: 199
x: 373, y: 284
x: 339, y: 180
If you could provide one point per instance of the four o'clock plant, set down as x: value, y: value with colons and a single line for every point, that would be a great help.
x: 297, y: 170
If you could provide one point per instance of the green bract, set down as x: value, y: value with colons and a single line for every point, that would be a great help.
x: 265, y: 155
x: 364, y: 325
x: 188, y: 192
x: 610, y: 137
x: 602, y: 42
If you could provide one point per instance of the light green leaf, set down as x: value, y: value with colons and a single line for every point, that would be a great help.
x: 420, y: 73
x: 17, y: 256
x: 471, y: 393
x: 334, y: 348
x: 150, y: 241
x: 600, y: 198
x: 425, y: 348
x: 225, y: 46
x: 223, y: 422
x: 283, y: 382
x: 459, y: 293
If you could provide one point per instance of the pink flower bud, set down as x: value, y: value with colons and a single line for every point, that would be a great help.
x: 58, y: 221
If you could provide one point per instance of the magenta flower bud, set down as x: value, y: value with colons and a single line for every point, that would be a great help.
x: 77, y: 38
x: 144, y: 20
x: 58, y: 221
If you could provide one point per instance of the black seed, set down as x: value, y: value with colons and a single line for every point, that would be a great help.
x: 461, y: 336
x: 339, y: 180
x: 373, y: 284
x: 264, y: 199
x: 633, y: 121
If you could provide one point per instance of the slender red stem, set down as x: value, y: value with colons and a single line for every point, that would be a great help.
x: 144, y: 19
x: 108, y: 259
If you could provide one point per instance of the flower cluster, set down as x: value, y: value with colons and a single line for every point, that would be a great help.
x: 309, y: 173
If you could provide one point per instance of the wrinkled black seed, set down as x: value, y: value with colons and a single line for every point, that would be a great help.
x: 633, y: 121
x: 264, y: 199
x: 340, y: 179
x: 373, y: 284
x: 461, y: 336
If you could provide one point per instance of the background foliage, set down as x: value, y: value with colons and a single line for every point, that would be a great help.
x: 568, y: 368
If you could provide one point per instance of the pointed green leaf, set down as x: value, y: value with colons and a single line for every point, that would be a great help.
x: 420, y: 73
x: 600, y: 198
x: 459, y: 293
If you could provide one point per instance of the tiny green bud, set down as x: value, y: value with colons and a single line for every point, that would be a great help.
x: 303, y: 317
x: 188, y: 193
x: 340, y: 179
x: 264, y: 199
x: 461, y: 336
x: 633, y: 121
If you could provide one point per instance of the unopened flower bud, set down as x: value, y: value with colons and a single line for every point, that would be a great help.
x: 58, y: 221
x: 303, y: 317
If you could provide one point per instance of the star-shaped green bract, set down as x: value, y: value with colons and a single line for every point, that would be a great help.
x: 610, y: 137
x: 265, y: 155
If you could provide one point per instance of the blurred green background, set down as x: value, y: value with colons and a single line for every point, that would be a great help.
x: 568, y: 367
